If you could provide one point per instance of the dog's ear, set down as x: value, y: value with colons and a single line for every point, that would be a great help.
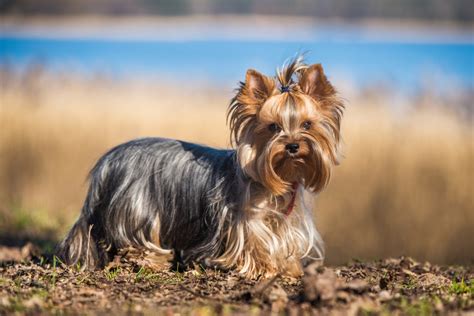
x: 244, y: 107
x: 257, y: 87
x: 314, y: 83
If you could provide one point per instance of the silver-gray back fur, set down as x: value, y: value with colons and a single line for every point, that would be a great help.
x: 182, y: 187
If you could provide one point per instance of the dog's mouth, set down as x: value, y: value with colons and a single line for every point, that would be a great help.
x: 296, y: 157
x: 289, y: 158
x: 289, y: 166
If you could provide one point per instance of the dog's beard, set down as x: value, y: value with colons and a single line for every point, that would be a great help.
x: 278, y: 170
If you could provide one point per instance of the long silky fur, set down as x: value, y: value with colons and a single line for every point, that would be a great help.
x: 155, y: 193
x: 208, y: 205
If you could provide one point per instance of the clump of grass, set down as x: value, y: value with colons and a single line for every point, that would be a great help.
x: 145, y: 274
x: 173, y: 279
x: 112, y: 273
x: 462, y: 287
x: 410, y: 283
x: 56, y: 263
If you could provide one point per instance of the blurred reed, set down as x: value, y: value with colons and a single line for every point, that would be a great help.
x: 404, y: 186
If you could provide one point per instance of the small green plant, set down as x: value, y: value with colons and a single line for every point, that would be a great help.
x: 459, y: 288
x: 409, y: 284
x: 17, y: 281
x: 112, y: 273
x: 56, y: 260
x: 144, y: 274
x: 174, y: 279
x: 179, y: 277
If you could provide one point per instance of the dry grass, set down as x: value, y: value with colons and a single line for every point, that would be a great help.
x: 404, y: 187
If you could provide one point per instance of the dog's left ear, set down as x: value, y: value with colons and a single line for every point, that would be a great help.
x: 314, y: 82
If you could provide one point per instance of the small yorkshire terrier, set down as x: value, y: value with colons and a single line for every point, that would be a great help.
x: 247, y: 209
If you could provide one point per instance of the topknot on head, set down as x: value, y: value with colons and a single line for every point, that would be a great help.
x: 288, y: 76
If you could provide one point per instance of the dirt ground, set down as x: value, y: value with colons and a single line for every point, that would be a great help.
x: 138, y: 284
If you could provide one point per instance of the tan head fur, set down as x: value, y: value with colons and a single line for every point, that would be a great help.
x: 287, y: 128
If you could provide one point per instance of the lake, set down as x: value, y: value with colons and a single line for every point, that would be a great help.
x: 406, y: 64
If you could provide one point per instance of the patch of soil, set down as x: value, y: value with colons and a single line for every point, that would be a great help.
x: 136, y: 284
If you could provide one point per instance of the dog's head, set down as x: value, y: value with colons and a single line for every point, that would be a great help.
x: 287, y: 128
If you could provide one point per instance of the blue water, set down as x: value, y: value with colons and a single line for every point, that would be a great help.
x: 406, y: 66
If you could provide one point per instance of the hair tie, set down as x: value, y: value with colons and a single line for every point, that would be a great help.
x: 285, y: 89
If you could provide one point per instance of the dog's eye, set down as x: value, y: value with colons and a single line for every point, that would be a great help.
x: 306, y: 125
x: 274, y: 128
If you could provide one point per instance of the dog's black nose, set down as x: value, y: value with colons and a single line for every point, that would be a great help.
x: 292, y: 148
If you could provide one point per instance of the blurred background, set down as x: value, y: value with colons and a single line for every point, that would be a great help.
x: 78, y: 77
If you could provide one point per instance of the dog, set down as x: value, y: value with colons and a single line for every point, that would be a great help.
x: 248, y: 209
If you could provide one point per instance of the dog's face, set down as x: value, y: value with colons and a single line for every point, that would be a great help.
x: 287, y: 128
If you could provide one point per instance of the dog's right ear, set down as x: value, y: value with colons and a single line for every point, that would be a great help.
x: 244, y: 107
x: 257, y: 87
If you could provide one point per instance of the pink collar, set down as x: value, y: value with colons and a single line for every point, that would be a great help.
x: 291, y: 206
